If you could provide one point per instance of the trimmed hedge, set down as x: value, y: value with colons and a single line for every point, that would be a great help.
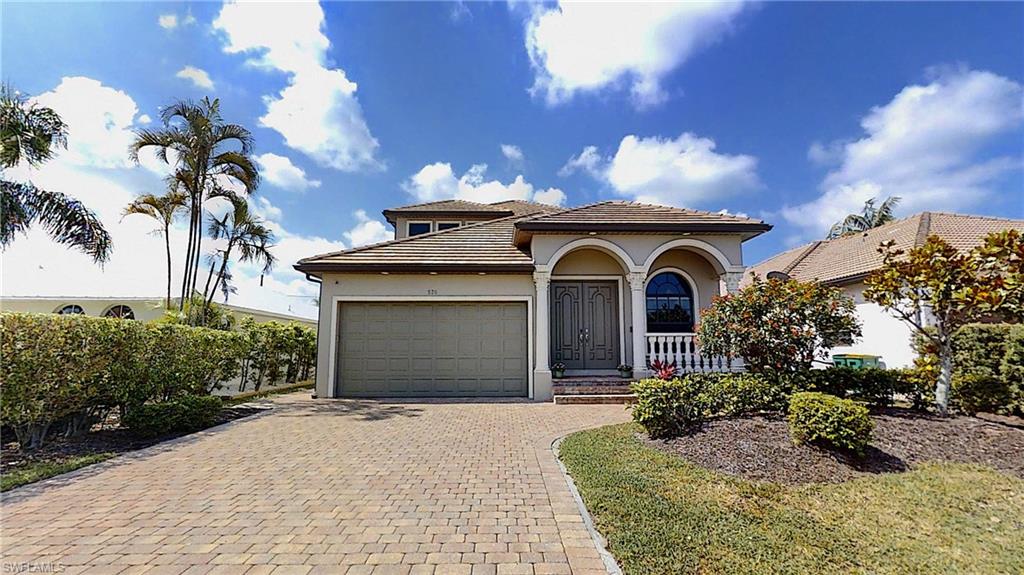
x: 876, y: 387
x: 828, y: 421
x: 67, y: 372
x: 180, y: 415
x: 988, y: 369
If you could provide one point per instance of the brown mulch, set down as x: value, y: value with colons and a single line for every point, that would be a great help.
x: 106, y: 437
x: 759, y: 448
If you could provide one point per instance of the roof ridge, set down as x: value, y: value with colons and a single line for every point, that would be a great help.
x: 568, y: 210
x: 411, y: 238
x: 808, y: 250
x: 924, y: 228
x: 421, y: 204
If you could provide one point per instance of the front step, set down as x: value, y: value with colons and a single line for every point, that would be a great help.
x: 610, y: 389
x: 595, y: 398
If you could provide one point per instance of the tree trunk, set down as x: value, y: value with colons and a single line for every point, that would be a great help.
x: 209, y: 277
x: 220, y: 274
x: 167, y: 245
x: 945, y: 379
x: 188, y: 256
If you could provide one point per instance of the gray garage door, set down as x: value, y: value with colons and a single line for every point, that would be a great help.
x: 414, y: 349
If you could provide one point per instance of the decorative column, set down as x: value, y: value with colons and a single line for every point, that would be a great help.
x: 542, y: 281
x: 731, y: 281
x: 638, y: 307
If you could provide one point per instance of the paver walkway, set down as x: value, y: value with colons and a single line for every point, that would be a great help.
x: 323, y: 486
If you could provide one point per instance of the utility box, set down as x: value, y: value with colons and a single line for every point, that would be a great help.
x: 857, y: 360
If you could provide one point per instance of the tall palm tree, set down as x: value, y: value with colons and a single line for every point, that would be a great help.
x: 31, y: 133
x: 247, y: 236
x: 869, y: 217
x: 164, y: 209
x: 211, y: 159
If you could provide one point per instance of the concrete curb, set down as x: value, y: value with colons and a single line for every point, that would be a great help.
x: 610, y: 565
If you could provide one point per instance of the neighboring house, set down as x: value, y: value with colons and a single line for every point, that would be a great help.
x: 139, y: 308
x: 478, y: 299
x: 845, y: 262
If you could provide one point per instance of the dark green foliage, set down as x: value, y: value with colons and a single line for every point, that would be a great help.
x: 730, y: 394
x: 873, y: 386
x: 180, y: 415
x: 988, y: 367
x: 828, y: 421
x: 668, y: 408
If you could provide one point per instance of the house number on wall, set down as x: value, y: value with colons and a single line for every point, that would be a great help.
x: 431, y: 292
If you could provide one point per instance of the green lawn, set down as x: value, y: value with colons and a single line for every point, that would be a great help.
x: 663, y: 515
x: 44, y: 469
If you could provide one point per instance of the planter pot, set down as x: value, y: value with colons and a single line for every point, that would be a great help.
x: 558, y: 373
x: 626, y: 374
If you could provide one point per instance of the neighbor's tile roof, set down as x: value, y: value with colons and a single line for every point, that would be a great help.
x: 522, y: 207
x: 849, y: 258
x: 448, y: 206
x: 480, y: 247
x: 635, y: 216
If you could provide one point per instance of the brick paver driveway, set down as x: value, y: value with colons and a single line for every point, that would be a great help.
x: 325, y: 486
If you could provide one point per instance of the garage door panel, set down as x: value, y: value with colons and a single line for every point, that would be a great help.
x: 432, y: 349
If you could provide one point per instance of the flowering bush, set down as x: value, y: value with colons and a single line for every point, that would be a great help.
x: 778, y: 325
x: 664, y: 370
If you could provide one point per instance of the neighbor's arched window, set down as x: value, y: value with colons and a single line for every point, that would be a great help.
x: 71, y: 309
x: 669, y: 304
x: 120, y: 312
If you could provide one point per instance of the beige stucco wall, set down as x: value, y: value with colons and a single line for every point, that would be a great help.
x: 146, y: 309
x: 639, y: 247
x: 883, y: 334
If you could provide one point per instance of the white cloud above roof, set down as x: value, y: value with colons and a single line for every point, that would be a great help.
x: 686, y: 171
x: 586, y: 47
x: 926, y: 145
x: 437, y: 181
x: 318, y: 112
x: 367, y: 231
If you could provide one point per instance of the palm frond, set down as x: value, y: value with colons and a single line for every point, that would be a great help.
x: 65, y: 219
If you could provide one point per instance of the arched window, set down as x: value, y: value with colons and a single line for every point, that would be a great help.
x: 669, y: 304
x: 120, y: 312
x: 71, y: 309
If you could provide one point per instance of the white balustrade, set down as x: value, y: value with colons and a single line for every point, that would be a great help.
x: 684, y: 350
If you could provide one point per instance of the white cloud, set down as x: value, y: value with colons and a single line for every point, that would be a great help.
x: 586, y: 47
x: 99, y: 119
x: 513, y: 153
x: 168, y: 21
x: 459, y: 12
x: 281, y: 172
x: 686, y: 171
x: 197, y: 76
x: 318, y: 112
x: 106, y: 182
x: 145, y: 119
x: 367, y: 231
x: 925, y: 145
x: 438, y: 182
x: 589, y: 161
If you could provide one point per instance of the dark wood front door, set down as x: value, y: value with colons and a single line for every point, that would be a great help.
x: 585, y: 324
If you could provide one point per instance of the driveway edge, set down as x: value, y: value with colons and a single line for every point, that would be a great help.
x: 610, y: 565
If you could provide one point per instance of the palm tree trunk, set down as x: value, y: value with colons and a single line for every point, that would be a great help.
x: 188, y: 255
x: 167, y: 245
x: 209, y: 277
x: 220, y: 274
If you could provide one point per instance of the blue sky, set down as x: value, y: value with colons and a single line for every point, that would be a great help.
x: 794, y: 113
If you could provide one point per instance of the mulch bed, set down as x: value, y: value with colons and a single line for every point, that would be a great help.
x: 106, y: 437
x: 759, y: 448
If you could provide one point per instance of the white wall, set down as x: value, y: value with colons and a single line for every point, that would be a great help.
x: 883, y: 334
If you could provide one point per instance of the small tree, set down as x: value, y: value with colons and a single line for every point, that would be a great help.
x: 937, y: 289
x: 778, y: 325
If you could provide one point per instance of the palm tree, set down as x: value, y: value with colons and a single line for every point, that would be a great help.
x: 163, y: 209
x: 870, y: 217
x: 210, y: 158
x: 248, y: 236
x: 31, y: 133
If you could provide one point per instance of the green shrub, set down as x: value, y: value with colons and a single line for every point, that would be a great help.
x: 182, y: 414
x: 668, y: 408
x: 874, y: 386
x: 733, y: 394
x: 278, y: 353
x: 63, y: 369
x: 828, y: 421
x: 988, y: 368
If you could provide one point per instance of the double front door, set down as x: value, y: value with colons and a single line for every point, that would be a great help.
x: 585, y: 324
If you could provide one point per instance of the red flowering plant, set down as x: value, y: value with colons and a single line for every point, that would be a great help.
x: 778, y: 325
x: 663, y: 370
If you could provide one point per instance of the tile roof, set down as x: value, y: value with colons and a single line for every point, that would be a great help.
x: 849, y: 258
x: 480, y: 247
x: 523, y: 207
x: 448, y: 206
x: 638, y: 217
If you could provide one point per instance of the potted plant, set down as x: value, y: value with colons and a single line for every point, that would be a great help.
x: 625, y: 371
x: 558, y: 370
